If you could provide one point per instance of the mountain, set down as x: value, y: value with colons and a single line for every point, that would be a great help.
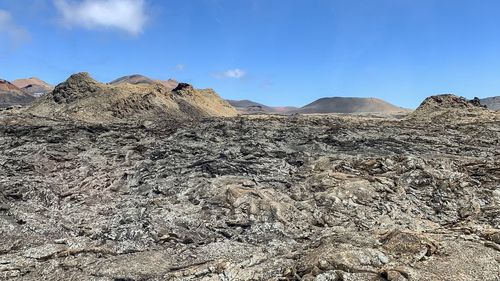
x: 84, y: 99
x: 170, y: 84
x: 33, y: 86
x: 349, y: 105
x: 492, y: 103
x: 248, y: 106
x: 11, y: 95
x: 446, y: 107
x: 133, y: 79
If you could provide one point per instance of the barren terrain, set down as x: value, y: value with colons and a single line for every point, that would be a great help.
x: 250, y: 198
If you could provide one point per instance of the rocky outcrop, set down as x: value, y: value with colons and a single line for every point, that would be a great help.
x: 10, y: 95
x: 446, y: 101
x: 82, y: 98
x: 183, y: 87
x: 451, y: 107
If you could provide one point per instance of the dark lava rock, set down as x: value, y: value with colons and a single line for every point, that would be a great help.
x: 183, y: 86
x: 250, y: 198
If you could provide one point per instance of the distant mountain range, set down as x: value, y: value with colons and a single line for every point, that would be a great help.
x: 24, y: 91
x: 248, y: 106
x: 323, y: 105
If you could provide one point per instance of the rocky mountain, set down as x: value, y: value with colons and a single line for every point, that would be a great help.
x: 33, y: 86
x: 11, y: 95
x: 492, y: 103
x: 449, y: 106
x: 84, y: 99
x: 349, y: 105
x: 248, y: 106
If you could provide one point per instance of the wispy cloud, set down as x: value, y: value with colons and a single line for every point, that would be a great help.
x: 14, y: 34
x: 231, y: 73
x: 179, y: 67
x: 127, y: 15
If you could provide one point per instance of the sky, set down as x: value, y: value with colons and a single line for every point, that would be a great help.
x: 278, y: 52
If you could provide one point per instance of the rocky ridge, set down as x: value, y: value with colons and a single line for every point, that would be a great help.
x: 81, y: 98
x: 451, y: 107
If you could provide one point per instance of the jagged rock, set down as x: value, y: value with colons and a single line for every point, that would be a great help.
x: 183, y: 86
x: 445, y: 101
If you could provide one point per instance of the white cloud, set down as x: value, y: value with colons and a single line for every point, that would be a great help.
x: 127, y: 15
x: 15, y: 34
x: 179, y: 67
x: 231, y: 73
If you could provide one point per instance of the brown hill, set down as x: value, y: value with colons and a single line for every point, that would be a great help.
x: 350, y: 105
x: 11, y: 95
x: 33, y: 86
x: 451, y: 108
x: 170, y: 84
x: 133, y: 79
x: 84, y: 99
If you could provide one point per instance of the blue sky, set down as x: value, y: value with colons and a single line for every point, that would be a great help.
x: 279, y: 52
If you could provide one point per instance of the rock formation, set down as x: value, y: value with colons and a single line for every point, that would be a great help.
x: 442, y: 108
x: 84, y: 99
